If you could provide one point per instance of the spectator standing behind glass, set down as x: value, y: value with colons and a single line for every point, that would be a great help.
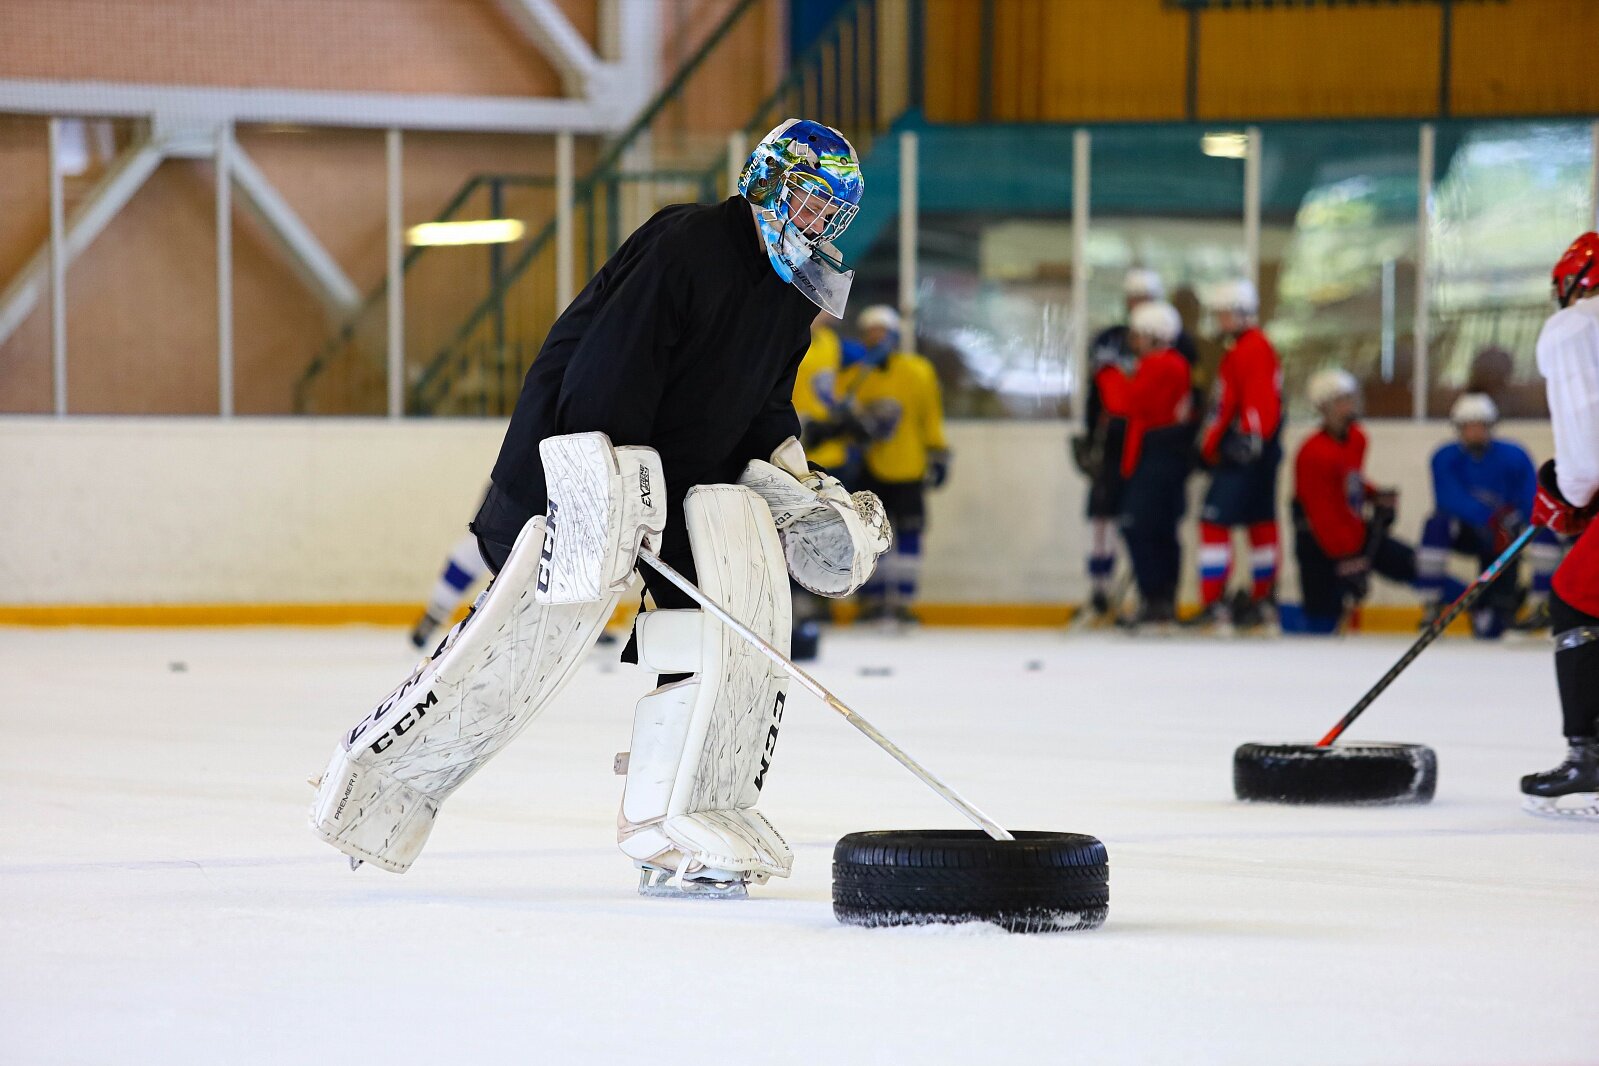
x: 1097, y: 451
x: 1242, y: 447
x: 894, y: 397
x: 1482, y: 490
x: 1155, y: 403
x: 1341, y: 520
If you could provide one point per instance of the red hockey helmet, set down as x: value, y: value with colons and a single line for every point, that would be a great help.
x: 1576, y: 273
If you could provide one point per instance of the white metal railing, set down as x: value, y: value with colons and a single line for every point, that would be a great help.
x: 69, y: 237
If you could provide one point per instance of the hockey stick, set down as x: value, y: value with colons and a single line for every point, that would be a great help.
x: 987, y: 824
x: 1463, y: 601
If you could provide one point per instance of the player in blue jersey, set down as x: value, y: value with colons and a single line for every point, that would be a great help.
x: 1483, y: 489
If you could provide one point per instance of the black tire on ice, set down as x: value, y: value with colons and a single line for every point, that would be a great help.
x: 1361, y: 773
x: 1037, y: 883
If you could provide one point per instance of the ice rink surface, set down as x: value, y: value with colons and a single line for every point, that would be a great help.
x: 161, y: 899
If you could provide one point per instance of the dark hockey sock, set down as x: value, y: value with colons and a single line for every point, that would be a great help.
x: 1576, y: 666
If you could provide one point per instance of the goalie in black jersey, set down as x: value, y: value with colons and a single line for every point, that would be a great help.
x: 658, y: 413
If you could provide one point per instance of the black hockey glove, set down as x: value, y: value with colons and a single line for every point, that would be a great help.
x: 1240, y: 449
x: 1384, y: 508
x: 937, y: 469
x: 1354, y: 575
x: 843, y: 425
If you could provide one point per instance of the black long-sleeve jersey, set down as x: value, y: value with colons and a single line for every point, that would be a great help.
x: 686, y: 341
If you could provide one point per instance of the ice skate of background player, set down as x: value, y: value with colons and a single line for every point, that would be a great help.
x: 659, y: 411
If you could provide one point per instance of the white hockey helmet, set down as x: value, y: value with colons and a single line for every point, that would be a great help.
x: 1325, y: 386
x: 1157, y: 320
x: 879, y: 315
x: 1474, y: 407
x: 1237, y: 295
x: 1143, y: 284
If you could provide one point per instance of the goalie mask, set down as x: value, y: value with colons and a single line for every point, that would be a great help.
x: 804, y: 181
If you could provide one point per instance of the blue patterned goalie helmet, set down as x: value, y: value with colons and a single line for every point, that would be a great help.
x: 804, y: 180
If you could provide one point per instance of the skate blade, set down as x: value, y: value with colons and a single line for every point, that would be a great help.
x: 657, y: 884
x: 1585, y: 806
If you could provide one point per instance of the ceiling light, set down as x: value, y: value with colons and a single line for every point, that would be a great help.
x: 1225, y: 145
x: 473, y: 231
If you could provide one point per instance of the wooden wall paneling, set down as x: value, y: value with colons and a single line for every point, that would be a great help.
x: 951, y: 64
x: 1037, y: 52
x: 1320, y: 62
x: 1112, y: 60
x: 1525, y: 57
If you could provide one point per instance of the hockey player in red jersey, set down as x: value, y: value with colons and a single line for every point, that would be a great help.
x: 1155, y: 403
x: 1098, y: 450
x: 1568, y: 497
x: 1341, y: 521
x: 1242, y: 447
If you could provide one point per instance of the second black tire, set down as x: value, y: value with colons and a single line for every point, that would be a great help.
x: 1362, y: 773
x: 1038, y: 883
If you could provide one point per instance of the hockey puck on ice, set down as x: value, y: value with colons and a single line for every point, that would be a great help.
x: 177, y: 667
x: 1363, y: 773
x: 1037, y: 883
x: 877, y: 671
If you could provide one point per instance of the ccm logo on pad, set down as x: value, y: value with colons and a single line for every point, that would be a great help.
x: 403, y: 726
x: 771, y: 741
x: 548, y: 553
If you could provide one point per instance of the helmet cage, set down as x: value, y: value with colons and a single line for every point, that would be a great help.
x: 808, y: 195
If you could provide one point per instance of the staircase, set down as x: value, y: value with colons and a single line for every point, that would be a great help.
x: 477, y: 368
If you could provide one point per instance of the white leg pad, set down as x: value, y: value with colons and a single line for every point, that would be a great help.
x: 496, y: 672
x: 668, y: 642
x: 702, y: 747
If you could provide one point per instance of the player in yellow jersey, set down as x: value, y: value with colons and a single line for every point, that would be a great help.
x: 894, y: 395
x: 816, y: 398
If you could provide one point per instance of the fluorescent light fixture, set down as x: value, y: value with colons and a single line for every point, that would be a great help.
x: 1225, y: 145
x: 472, y: 231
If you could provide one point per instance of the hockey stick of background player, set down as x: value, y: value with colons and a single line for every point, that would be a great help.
x: 1463, y: 601
x: 955, y: 799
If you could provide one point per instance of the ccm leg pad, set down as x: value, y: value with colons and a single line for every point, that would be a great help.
x: 702, y: 746
x: 382, y: 789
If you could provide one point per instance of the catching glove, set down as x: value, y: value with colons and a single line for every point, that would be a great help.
x: 831, y: 539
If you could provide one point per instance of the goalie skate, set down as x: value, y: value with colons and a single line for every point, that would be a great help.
x: 705, y: 883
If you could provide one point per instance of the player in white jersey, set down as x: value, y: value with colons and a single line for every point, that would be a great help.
x: 1568, y: 497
